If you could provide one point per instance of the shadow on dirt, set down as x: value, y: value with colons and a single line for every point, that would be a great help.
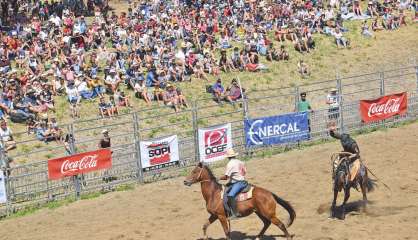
x: 242, y: 236
x: 353, y: 208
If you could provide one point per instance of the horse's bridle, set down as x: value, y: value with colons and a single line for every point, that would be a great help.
x: 200, y: 174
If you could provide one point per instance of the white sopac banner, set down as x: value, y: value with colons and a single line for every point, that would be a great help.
x: 214, y: 141
x: 159, y: 153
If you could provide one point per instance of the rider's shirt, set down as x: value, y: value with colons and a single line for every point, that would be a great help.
x: 235, y: 170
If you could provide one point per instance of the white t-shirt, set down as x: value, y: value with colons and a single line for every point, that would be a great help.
x: 111, y: 80
x: 72, y: 92
x: 6, y: 134
x: 235, y: 170
x: 332, y: 100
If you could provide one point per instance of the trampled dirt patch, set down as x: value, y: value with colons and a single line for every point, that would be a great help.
x: 169, y: 210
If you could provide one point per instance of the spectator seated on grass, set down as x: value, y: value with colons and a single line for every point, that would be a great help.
x: 171, y: 98
x: 340, y: 40
x: 303, y: 69
x: 141, y: 91
x: 6, y: 135
x: 105, y: 108
x: 182, y: 98
x: 95, y: 85
x: 365, y: 31
x: 233, y: 92
x: 113, y: 105
x: 218, y: 91
x: 43, y: 132
x: 121, y: 99
x: 112, y: 81
x: 224, y: 63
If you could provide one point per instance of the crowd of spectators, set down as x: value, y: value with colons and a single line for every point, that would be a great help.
x: 49, y: 49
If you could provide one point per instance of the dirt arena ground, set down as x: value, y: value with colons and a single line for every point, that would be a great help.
x: 169, y: 210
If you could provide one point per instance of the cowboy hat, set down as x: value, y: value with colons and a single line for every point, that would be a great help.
x: 230, y: 153
x: 105, y: 131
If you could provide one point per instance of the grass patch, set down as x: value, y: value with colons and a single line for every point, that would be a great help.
x: 125, y: 187
x: 90, y: 195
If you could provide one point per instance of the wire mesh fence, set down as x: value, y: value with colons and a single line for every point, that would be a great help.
x: 28, y: 184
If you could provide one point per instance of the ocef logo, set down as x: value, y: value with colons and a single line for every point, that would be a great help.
x: 216, y: 142
x: 159, y: 153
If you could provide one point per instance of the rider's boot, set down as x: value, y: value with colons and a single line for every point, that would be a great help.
x: 233, y: 205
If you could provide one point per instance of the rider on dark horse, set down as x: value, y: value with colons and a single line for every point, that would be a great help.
x: 351, y: 154
x: 235, y: 174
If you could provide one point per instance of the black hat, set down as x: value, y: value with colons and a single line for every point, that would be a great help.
x: 303, y: 94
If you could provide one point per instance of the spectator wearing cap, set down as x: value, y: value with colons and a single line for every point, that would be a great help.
x: 333, y: 105
x: 105, y: 140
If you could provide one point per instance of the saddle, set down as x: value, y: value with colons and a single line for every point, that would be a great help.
x: 354, y: 169
x: 245, y: 194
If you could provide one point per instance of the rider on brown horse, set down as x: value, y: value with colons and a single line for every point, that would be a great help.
x: 351, y: 154
x: 235, y: 174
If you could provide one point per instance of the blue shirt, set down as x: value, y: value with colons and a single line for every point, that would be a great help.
x: 218, y: 86
x: 150, y: 79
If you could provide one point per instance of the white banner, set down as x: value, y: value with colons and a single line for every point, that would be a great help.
x: 159, y: 153
x: 214, y: 141
x: 3, y: 196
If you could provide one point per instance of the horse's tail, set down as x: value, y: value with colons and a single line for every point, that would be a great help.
x: 371, y: 184
x: 286, y: 205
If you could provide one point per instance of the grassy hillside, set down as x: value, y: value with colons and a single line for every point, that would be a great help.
x: 384, y: 50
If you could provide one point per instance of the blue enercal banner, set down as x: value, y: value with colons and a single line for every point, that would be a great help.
x: 277, y: 129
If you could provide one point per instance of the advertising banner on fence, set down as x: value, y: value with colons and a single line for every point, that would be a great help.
x: 214, y: 141
x: 384, y: 107
x: 159, y: 153
x: 3, y: 195
x: 277, y: 129
x: 79, y: 163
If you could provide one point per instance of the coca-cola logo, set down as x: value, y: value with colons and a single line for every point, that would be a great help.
x: 86, y: 162
x: 391, y: 106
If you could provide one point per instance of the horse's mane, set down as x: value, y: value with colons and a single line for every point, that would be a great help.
x: 212, y: 176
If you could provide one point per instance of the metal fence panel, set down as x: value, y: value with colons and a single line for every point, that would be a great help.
x: 28, y: 183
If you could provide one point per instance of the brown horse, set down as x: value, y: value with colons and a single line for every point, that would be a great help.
x: 263, y: 203
x: 340, y: 176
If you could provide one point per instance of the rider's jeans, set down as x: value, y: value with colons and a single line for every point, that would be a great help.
x: 236, y: 188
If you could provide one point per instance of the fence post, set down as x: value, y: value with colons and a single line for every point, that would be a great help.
x: 76, y: 180
x: 382, y: 83
x: 416, y: 74
x: 137, y: 139
x: 4, y: 168
x: 195, y: 131
x: 341, y: 103
x: 297, y: 98
x: 245, y: 117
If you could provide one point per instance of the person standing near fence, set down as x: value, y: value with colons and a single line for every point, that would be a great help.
x: 304, y: 106
x: 105, y: 143
x: 333, y: 107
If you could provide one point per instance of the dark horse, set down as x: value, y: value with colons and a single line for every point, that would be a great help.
x: 263, y: 203
x: 340, y: 177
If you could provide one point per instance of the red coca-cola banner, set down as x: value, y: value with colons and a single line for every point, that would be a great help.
x: 384, y: 107
x: 79, y: 163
